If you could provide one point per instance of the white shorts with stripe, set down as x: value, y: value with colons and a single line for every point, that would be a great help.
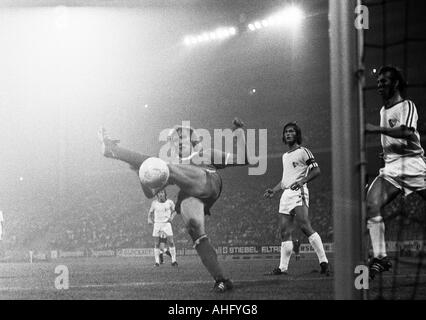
x: 291, y: 199
x: 407, y: 174
x: 165, y: 227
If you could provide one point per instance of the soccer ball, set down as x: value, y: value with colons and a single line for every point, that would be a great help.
x: 154, y: 173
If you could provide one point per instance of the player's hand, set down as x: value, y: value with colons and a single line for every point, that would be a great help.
x: 238, y: 123
x: 269, y: 193
x: 370, y: 128
x: 297, y: 185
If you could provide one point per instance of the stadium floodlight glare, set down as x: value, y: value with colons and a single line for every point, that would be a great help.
x: 205, y: 37
x: 289, y: 17
x: 218, y: 34
x: 265, y: 23
x: 188, y: 40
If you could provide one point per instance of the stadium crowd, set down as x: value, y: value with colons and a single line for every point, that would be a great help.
x: 115, y: 217
x: 112, y: 218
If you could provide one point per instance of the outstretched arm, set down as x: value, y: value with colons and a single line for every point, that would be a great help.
x: 223, y: 159
x: 402, y: 132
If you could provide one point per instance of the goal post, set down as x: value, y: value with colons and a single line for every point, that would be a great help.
x: 346, y: 155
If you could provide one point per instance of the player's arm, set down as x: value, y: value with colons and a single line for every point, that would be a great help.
x: 151, y: 214
x: 174, y: 213
x: 313, y: 170
x: 402, y: 132
x: 227, y: 159
x: 313, y: 173
x: 269, y: 193
x: 407, y: 118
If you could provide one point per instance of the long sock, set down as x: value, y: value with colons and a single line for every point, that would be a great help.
x: 286, y: 251
x: 376, y: 227
x: 157, y: 255
x: 316, y: 243
x: 173, y: 253
x: 209, y: 259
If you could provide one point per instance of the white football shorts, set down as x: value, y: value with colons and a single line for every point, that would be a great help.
x: 291, y: 199
x: 165, y: 227
x: 407, y: 174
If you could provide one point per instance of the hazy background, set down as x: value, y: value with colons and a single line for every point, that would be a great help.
x: 66, y: 70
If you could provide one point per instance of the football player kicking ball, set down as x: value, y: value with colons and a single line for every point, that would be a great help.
x: 299, y: 168
x: 161, y: 214
x: 405, y: 168
x: 200, y: 185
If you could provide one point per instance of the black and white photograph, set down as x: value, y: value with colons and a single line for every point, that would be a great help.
x: 212, y: 155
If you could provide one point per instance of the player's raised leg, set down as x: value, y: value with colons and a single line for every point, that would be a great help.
x: 191, y: 179
x: 380, y: 193
x: 302, y: 220
x: 192, y: 210
x: 110, y: 149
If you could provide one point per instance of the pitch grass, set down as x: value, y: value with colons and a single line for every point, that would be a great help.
x: 138, y: 278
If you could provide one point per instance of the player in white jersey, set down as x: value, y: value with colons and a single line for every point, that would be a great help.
x: 405, y: 168
x: 161, y: 214
x: 299, y: 168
